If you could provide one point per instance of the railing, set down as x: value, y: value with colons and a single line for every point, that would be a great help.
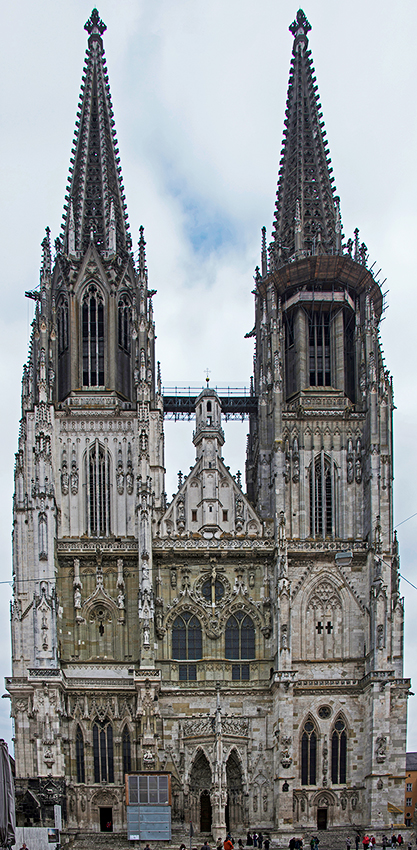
x: 236, y: 402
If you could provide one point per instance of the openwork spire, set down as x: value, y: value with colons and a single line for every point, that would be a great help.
x: 307, y: 218
x: 95, y: 202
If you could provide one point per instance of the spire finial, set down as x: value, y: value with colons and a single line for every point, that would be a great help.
x: 46, y: 253
x: 300, y: 26
x: 94, y: 25
x: 207, y: 371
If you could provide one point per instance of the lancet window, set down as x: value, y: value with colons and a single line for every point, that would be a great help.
x: 103, y: 751
x: 79, y: 754
x: 127, y: 761
x: 308, y: 754
x: 98, y: 491
x: 187, y: 644
x: 339, y: 750
x: 124, y: 318
x: 319, y: 349
x: 93, y: 337
x: 62, y: 326
x: 321, y: 498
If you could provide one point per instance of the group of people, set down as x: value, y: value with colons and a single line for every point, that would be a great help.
x: 256, y: 839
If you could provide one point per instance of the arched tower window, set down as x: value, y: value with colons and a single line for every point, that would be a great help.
x: 308, y: 754
x: 93, y: 337
x: 240, y: 643
x: 187, y: 644
x: 103, y: 751
x: 62, y: 326
x: 319, y: 349
x: 321, y: 498
x: 79, y: 754
x: 98, y: 491
x: 127, y: 762
x: 124, y: 317
x: 339, y: 750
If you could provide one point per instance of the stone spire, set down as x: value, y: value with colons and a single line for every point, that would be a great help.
x: 95, y: 202
x: 306, y: 213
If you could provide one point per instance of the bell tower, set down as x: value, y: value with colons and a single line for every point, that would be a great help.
x: 89, y: 482
x: 319, y: 461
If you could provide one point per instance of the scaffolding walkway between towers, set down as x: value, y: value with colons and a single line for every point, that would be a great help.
x: 236, y: 402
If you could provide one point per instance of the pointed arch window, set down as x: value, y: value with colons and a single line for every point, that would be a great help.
x: 321, y: 498
x: 127, y: 761
x: 319, y: 349
x: 62, y: 326
x: 308, y: 754
x: 339, y: 751
x: 79, y: 754
x: 124, y: 321
x: 240, y: 643
x: 187, y: 644
x: 103, y: 751
x: 98, y: 491
x: 93, y: 337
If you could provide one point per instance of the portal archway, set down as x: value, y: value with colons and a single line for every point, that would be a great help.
x: 200, y: 788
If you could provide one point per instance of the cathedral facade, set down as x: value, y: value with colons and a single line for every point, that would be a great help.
x: 248, y: 641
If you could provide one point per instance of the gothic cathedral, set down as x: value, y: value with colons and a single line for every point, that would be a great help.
x: 246, y: 641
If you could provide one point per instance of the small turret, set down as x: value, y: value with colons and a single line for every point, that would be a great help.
x: 208, y: 436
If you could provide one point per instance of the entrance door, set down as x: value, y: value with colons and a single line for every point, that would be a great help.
x: 321, y: 818
x: 205, y: 812
x: 106, y: 820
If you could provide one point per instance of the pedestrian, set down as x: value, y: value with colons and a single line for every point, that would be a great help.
x: 182, y: 847
x: 409, y: 846
x: 147, y: 847
x: 240, y: 844
x: 291, y: 844
x: 260, y: 839
x: 297, y: 844
x: 255, y: 839
x: 400, y: 839
x: 357, y: 839
x: 219, y: 845
x: 24, y: 846
x: 373, y: 840
x: 312, y: 843
x: 348, y: 843
x: 206, y: 846
x: 266, y: 843
x: 365, y: 842
x: 393, y: 840
x: 227, y: 844
x: 249, y: 840
x: 384, y: 841
x: 316, y: 842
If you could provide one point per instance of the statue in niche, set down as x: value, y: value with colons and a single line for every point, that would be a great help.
x: 381, y: 748
x: 380, y: 636
x: 284, y: 637
x: 77, y: 598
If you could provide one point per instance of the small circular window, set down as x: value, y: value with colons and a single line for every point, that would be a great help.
x: 218, y: 590
x: 324, y: 712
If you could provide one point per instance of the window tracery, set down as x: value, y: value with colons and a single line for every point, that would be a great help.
x: 339, y: 752
x: 93, y: 337
x: 103, y: 751
x: 240, y: 643
x: 308, y: 753
x: 62, y: 326
x: 98, y: 491
x: 187, y: 643
x: 322, y: 503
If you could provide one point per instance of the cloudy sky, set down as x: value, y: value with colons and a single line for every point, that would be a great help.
x: 199, y: 94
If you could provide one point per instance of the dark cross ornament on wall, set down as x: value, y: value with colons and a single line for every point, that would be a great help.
x: 328, y: 627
